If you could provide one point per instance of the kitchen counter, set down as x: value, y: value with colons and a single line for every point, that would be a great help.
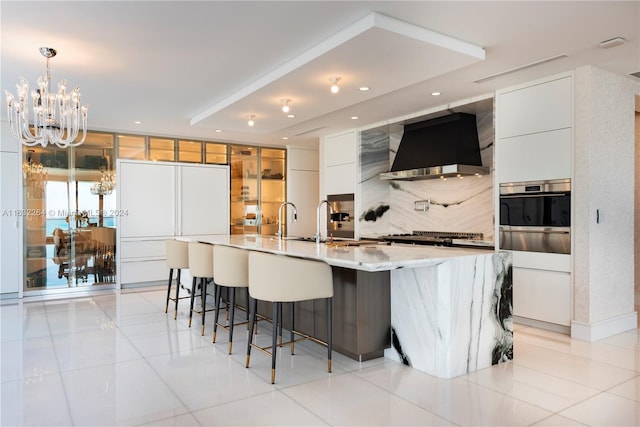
x: 368, y: 257
x: 445, y: 311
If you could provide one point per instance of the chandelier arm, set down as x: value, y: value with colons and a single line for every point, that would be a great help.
x: 23, y: 130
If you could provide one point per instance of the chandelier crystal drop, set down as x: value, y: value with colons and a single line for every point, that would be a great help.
x: 57, y: 117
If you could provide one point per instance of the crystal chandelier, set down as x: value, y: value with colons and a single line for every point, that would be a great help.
x: 105, y: 186
x: 35, y: 178
x: 57, y: 117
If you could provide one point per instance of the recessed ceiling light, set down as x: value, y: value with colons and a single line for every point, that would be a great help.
x: 292, y: 116
x: 435, y: 93
x: 354, y: 117
x: 218, y: 130
x: 364, y: 88
x: 285, y: 137
x: 137, y: 122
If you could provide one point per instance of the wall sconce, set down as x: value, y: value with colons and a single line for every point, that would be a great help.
x: 285, y: 105
x: 251, y: 121
x: 334, y: 84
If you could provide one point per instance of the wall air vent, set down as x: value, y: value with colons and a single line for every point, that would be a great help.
x: 522, y: 67
x: 309, y: 131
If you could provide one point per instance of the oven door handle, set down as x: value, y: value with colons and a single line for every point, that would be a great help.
x: 544, y: 230
x: 529, y: 195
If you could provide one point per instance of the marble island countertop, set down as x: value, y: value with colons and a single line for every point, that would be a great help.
x: 368, y: 257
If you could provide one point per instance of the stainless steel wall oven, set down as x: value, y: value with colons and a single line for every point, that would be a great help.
x: 536, y: 216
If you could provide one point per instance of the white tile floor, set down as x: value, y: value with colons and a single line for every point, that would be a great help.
x: 118, y: 359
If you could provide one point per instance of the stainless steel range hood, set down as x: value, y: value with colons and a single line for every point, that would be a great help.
x: 439, y: 148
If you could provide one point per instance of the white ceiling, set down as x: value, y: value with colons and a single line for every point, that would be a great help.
x: 188, y: 68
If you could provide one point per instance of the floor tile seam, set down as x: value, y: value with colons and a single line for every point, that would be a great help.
x: 300, y: 404
x: 24, y: 378
x: 401, y: 397
x: 169, y: 418
x: 202, y: 349
x: 25, y: 339
x: 66, y: 397
x: 552, y: 412
x: 619, y: 384
x: 174, y: 392
x: 82, y: 331
x: 240, y: 399
x: 598, y: 391
x: 563, y: 412
x: 585, y: 384
x: 616, y: 347
x: 581, y: 358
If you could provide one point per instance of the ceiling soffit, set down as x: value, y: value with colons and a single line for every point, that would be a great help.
x: 401, y: 54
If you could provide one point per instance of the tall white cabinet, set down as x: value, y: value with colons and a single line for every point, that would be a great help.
x: 338, y: 169
x: 10, y: 204
x: 157, y: 201
x: 339, y: 163
x: 302, y: 190
x: 534, y: 141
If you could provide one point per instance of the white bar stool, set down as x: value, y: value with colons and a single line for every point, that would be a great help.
x: 177, y: 259
x: 231, y: 270
x: 278, y: 279
x: 201, y: 267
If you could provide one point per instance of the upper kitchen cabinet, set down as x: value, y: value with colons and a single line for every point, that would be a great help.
x: 534, y: 130
x: 258, y: 187
x: 339, y: 154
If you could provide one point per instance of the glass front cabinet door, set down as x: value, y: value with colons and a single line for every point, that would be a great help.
x: 258, y: 187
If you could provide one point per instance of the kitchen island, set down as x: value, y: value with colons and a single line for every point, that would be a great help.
x: 445, y: 311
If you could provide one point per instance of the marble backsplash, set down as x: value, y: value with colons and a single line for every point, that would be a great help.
x: 457, y: 204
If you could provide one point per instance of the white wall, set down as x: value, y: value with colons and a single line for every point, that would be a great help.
x: 603, y: 181
x: 10, y: 222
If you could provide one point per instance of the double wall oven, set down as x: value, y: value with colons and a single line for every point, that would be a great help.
x: 535, y: 216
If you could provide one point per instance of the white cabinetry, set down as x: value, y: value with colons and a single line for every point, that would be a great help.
x: 302, y: 190
x: 539, y: 156
x: 542, y: 287
x: 535, y: 107
x: 10, y: 232
x: 534, y: 130
x: 146, y: 198
x: 534, y: 141
x: 204, y: 201
x: 159, y: 201
x: 340, y: 165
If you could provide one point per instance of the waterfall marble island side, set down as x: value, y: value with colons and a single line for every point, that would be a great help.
x: 449, y: 310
